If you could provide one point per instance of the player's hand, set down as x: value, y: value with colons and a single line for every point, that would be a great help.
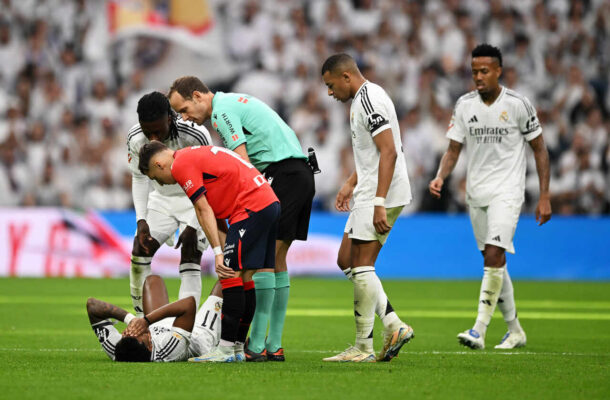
x: 344, y: 196
x: 222, y: 270
x: 543, y: 210
x: 380, y: 220
x: 435, y: 187
x: 146, y: 241
x: 188, y: 238
x: 136, y: 327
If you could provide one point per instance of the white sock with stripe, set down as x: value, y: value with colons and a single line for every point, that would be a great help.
x: 190, y: 282
x: 365, y: 301
x: 140, y: 270
x: 506, y: 304
x: 488, y: 297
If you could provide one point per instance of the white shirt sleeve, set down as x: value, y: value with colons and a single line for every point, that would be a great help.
x: 140, y: 183
x: 107, y: 335
x: 193, y: 134
x: 528, y: 120
x: 376, y: 118
x: 456, y: 130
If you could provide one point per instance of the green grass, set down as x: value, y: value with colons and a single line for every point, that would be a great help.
x: 47, y: 349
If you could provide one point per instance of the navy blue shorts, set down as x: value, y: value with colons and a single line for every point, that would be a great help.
x: 250, y: 243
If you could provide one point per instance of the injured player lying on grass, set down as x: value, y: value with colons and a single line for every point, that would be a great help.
x: 168, y: 331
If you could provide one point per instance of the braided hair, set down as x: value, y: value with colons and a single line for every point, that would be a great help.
x: 155, y: 105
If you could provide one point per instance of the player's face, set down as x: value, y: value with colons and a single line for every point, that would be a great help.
x: 485, y: 74
x: 156, y: 130
x: 338, y: 86
x: 160, y: 169
x: 193, y: 109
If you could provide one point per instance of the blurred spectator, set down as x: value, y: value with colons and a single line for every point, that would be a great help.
x: 64, y: 114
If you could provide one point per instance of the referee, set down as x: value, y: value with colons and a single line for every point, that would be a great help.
x: 258, y: 134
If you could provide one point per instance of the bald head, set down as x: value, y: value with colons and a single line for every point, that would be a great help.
x: 339, y: 63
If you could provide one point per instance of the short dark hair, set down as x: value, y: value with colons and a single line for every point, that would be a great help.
x: 147, y: 152
x: 186, y: 85
x: 487, y: 50
x: 153, y: 106
x: 130, y: 349
x: 338, y: 63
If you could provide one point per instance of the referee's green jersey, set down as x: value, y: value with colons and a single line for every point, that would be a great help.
x: 240, y: 118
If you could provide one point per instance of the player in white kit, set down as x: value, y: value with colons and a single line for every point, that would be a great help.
x: 495, y: 123
x: 380, y: 189
x: 161, y: 210
x: 167, y: 332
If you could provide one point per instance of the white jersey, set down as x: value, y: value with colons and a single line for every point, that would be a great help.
x: 371, y: 113
x: 495, y: 138
x: 188, y: 134
x: 169, y: 343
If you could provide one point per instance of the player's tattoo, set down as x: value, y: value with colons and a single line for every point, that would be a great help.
x: 99, y: 310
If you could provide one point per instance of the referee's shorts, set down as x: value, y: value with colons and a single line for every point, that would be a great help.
x: 292, y: 181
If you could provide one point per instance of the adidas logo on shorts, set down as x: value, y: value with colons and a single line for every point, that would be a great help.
x: 497, y: 238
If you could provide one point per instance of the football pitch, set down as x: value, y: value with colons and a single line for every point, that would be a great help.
x: 48, y: 350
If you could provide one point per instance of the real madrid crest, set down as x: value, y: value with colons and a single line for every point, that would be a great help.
x: 504, y: 116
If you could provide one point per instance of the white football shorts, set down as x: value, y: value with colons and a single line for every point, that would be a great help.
x: 360, y: 223
x: 164, y: 221
x: 496, y: 223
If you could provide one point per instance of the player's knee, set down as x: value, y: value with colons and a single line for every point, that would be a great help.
x: 152, y: 279
x: 190, y: 254
x: 494, y: 258
x: 140, y: 251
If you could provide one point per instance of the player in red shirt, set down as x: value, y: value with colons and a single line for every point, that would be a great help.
x: 222, y: 185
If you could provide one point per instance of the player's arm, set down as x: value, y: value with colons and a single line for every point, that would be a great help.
x: 241, y: 150
x: 99, y: 310
x: 346, y: 192
x: 140, y: 187
x: 184, y: 310
x: 446, y: 167
x: 541, y: 155
x: 207, y: 220
x: 223, y: 229
x: 387, y: 161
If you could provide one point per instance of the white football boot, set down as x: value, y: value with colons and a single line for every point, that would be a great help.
x: 512, y: 340
x: 472, y: 339
x: 222, y: 354
x: 393, y: 341
x: 352, y: 354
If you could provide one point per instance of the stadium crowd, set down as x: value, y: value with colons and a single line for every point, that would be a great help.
x: 64, y: 118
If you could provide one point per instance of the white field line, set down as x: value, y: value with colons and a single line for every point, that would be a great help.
x: 334, y: 312
x: 404, y: 353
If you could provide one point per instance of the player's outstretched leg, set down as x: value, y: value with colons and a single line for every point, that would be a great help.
x: 488, y: 298
x: 395, y: 333
x: 233, y: 307
x: 515, y: 337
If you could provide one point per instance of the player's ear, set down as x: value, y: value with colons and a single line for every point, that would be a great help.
x: 346, y: 76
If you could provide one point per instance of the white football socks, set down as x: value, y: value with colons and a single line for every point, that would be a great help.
x: 190, y: 282
x: 365, y: 301
x: 506, y: 304
x: 140, y: 270
x: 488, y: 298
x: 383, y: 308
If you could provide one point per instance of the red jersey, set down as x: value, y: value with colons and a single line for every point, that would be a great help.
x: 231, y: 185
